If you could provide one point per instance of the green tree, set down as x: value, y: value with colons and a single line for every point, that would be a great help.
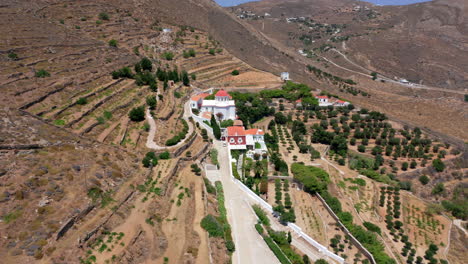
x: 404, y: 166
x: 216, y: 128
x: 235, y: 72
x: 185, y: 78
x: 146, y: 64
x: 424, y: 179
x: 151, y: 102
x: 361, y: 148
x: 137, y: 114
x: 438, y: 165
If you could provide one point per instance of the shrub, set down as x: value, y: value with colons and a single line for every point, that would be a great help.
x: 113, y: 43
x: 212, y: 51
x: 276, y: 250
x: 137, y: 114
x: 438, y: 165
x: 372, y: 227
x: 168, y: 55
x: 424, y: 179
x: 235, y: 72
x: 42, y: 73
x: 103, y: 16
x: 438, y: 189
x: 231, y: 247
x: 12, y: 56
x: 261, y: 215
x: 149, y: 160
x: 177, y: 138
x: 82, y: 101
x: 124, y: 72
x: 212, y: 226
x: 165, y: 155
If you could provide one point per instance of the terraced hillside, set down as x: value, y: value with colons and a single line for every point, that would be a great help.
x: 214, y: 66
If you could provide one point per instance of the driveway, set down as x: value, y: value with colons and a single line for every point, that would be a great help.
x: 250, y: 246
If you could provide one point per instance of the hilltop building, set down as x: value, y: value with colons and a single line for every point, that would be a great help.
x: 285, y: 76
x: 222, y: 106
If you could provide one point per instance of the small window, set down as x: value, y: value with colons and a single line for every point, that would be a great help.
x: 239, y: 140
x: 231, y: 140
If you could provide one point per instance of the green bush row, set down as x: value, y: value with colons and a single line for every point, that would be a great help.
x: 177, y: 138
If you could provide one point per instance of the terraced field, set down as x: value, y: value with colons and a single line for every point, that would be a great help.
x: 213, y: 67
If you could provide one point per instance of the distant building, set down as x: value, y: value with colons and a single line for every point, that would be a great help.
x: 341, y: 103
x: 167, y: 30
x: 299, y: 103
x: 323, y: 100
x: 285, y: 76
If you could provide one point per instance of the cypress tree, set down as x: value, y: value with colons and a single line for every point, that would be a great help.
x: 215, y: 126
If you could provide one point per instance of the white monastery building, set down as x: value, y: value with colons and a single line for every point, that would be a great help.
x: 222, y: 106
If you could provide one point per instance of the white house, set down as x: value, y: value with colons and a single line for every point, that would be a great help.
x: 323, y: 100
x: 341, y: 103
x: 222, y: 107
x: 251, y: 140
x: 196, y: 100
x: 285, y: 76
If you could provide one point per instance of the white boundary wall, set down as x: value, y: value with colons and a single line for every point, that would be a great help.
x: 322, y: 249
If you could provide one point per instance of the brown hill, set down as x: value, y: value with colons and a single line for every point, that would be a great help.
x: 423, y: 42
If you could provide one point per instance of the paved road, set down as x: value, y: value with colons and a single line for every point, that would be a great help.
x: 250, y: 247
x: 387, y: 79
x: 152, y: 132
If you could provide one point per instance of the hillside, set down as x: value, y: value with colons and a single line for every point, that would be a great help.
x: 352, y: 40
x: 101, y: 157
x: 427, y: 38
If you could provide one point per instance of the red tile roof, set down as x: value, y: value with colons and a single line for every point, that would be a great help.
x: 235, y: 131
x: 340, y: 102
x: 199, y: 96
x: 299, y: 101
x: 254, y: 131
x: 322, y: 97
x: 221, y: 93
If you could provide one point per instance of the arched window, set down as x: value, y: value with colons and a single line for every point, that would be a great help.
x: 239, y: 140
x: 231, y: 140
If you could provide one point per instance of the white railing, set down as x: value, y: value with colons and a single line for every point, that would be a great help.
x: 322, y: 249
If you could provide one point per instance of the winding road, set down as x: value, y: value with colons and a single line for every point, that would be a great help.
x: 153, y: 129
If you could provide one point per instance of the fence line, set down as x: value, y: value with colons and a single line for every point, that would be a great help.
x: 356, y: 242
